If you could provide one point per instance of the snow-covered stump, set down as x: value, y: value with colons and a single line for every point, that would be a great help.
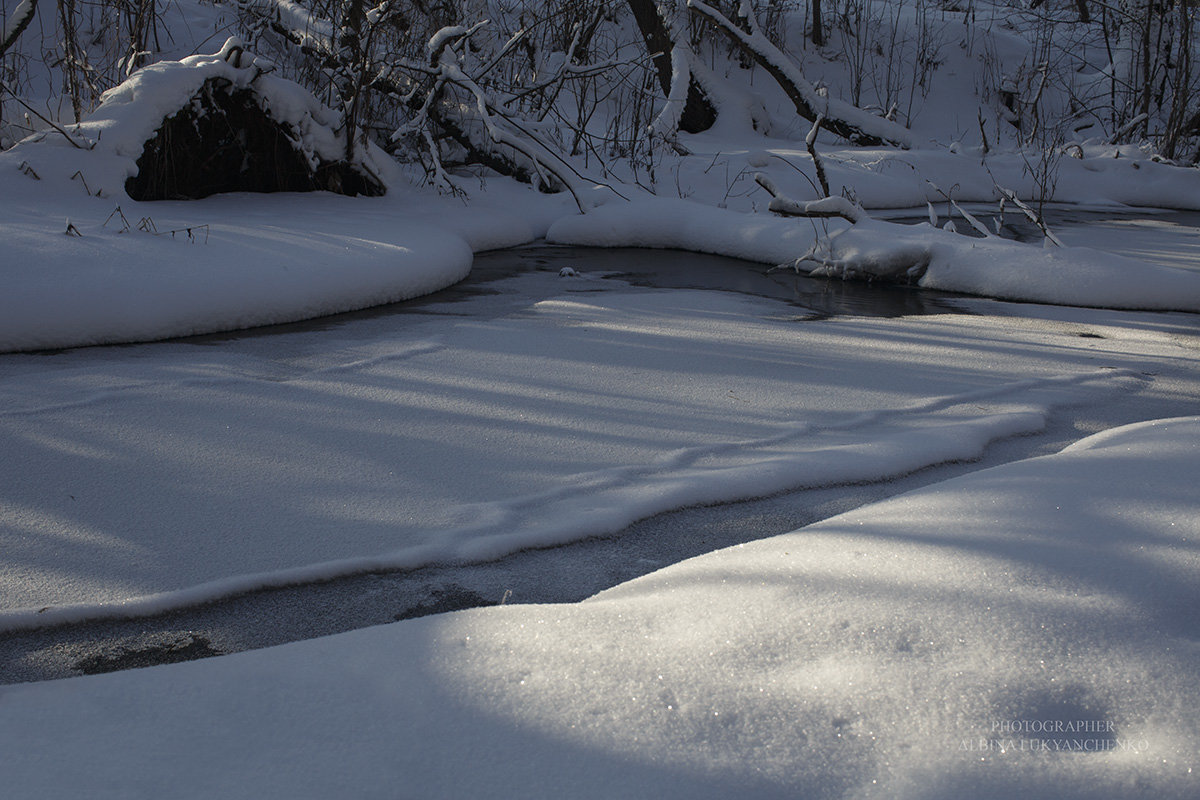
x: 216, y: 123
x: 224, y: 141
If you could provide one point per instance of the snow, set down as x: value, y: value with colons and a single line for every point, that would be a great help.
x: 459, y: 440
x: 967, y: 639
x: 1028, y: 629
x: 232, y: 262
x: 934, y: 258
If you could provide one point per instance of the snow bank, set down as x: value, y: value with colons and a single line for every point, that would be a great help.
x: 215, y: 265
x: 1027, y: 630
x: 662, y: 222
x: 231, y: 269
x: 995, y: 267
x: 84, y: 264
x: 874, y: 249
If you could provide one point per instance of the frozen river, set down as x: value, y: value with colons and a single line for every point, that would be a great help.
x: 523, y: 401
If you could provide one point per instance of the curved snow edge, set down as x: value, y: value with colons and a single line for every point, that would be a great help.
x: 992, y: 267
x: 110, y: 288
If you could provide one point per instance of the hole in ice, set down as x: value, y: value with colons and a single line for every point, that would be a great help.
x: 185, y: 647
x: 450, y: 598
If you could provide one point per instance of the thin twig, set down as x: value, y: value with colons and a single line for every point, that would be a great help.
x: 52, y: 124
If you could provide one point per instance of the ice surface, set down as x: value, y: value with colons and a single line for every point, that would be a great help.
x: 174, y: 473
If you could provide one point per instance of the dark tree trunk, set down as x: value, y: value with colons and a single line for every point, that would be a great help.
x: 698, y: 112
x: 350, y: 40
x: 818, y: 27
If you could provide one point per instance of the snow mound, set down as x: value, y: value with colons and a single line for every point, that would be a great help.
x: 219, y: 264
x: 84, y: 264
x: 104, y: 148
x: 1026, y: 630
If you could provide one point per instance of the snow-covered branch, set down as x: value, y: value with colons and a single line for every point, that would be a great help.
x: 841, y: 118
x: 17, y: 22
x: 294, y: 22
x: 504, y: 132
x: 1030, y: 214
x: 446, y: 96
x: 825, y: 207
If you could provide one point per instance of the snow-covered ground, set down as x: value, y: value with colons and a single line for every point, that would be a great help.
x: 1027, y: 630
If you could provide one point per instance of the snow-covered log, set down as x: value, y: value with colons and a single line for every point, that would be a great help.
x: 840, y: 117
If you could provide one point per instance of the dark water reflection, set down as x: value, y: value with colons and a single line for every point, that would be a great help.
x: 615, y: 268
x: 677, y: 269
